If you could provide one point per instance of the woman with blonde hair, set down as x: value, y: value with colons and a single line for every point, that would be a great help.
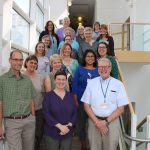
x: 70, y: 63
x: 43, y: 61
x: 72, y: 42
x: 56, y: 64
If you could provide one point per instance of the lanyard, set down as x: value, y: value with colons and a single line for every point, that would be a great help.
x: 104, y: 93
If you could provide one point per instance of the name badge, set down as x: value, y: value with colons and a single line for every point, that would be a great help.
x: 88, y: 80
x: 104, y: 105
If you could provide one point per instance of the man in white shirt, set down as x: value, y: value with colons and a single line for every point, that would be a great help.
x: 104, y: 100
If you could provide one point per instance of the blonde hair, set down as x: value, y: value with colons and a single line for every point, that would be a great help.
x: 55, y: 57
x: 63, y: 48
x: 80, y: 27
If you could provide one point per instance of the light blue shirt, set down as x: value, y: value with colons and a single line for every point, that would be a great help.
x: 74, y: 44
x: 115, y: 96
x: 43, y: 65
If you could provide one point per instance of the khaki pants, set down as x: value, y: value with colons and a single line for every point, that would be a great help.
x: 108, y: 142
x: 20, y: 133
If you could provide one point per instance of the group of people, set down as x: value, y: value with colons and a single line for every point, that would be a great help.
x: 70, y: 81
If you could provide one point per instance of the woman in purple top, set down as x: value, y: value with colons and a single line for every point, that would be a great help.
x: 60, y: 112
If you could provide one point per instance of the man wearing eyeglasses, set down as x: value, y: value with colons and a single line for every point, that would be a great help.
x: 17, y: 106
x: 104, y: 100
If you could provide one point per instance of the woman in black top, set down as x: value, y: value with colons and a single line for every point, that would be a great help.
x: 105, y: 37
x: 50, y: 30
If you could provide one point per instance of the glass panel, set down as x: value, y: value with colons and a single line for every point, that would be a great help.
x: 20, y: 30
x: 39, y: 18
x: 42, y: 2
x: 24, y: 5
x: 131, y: 36
x: 37, y: 35
x: 146, y: 37
x: 141, y: 133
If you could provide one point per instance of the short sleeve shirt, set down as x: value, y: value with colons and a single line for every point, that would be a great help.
x: 16, y: 94
x: 115, y: 95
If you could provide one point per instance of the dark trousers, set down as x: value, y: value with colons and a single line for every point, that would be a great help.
x: 39, y: 129
x: 81, y: 123
x: 53, y: 144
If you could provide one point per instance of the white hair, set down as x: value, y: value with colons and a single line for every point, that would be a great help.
x: 105, y: 59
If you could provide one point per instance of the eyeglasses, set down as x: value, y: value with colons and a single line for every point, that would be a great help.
x: 17, y: 60
x: 68, y: 39
x: 103, y: 47
x: 104, y: 67
x: 90, y: 56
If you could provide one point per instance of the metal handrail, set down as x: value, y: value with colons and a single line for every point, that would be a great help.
x: 136, y: 139
x: 130, y: 137
x: 141, y: 123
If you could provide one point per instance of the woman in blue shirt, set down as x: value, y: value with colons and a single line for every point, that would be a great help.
x: 83, y: 75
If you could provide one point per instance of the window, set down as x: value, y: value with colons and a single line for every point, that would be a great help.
x: 24, y: 5
x: 39, y: 18
x: 37, y: 35
x: 20, y: 30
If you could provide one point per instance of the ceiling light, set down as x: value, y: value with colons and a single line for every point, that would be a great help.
x: 69, y: 3
x: 80, y: 24
x: 79, y: 18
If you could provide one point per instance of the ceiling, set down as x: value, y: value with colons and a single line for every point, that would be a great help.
x: 83, y: 8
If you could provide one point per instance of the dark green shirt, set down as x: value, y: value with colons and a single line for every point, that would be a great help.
x: 16, y: 94
x: 114, y: 71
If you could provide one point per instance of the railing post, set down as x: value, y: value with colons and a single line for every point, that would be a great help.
x: 122, y: 47
x: 148, y: 131
x: 133, y: 130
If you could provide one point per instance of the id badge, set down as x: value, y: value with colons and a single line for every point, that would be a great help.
x: 88, y: 80
x: 104, y: 105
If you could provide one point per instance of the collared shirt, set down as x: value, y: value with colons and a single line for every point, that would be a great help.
x: 115, y: 96
x: 16, y: 94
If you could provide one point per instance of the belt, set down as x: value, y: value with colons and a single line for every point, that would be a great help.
x: 18, y: 117
x: 102, y: 118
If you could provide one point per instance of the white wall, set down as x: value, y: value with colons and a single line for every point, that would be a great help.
x: 58, y: 10
x: 108, y: 11
x: 137, y: 77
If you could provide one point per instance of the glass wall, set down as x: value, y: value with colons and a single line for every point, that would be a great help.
x: 41, y: 2
x: 20, y: 30
x: 39, y: 17
x: 24, y: 5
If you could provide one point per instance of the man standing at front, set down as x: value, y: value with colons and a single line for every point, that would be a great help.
x: 104, y: 100
x: 17, y: 106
